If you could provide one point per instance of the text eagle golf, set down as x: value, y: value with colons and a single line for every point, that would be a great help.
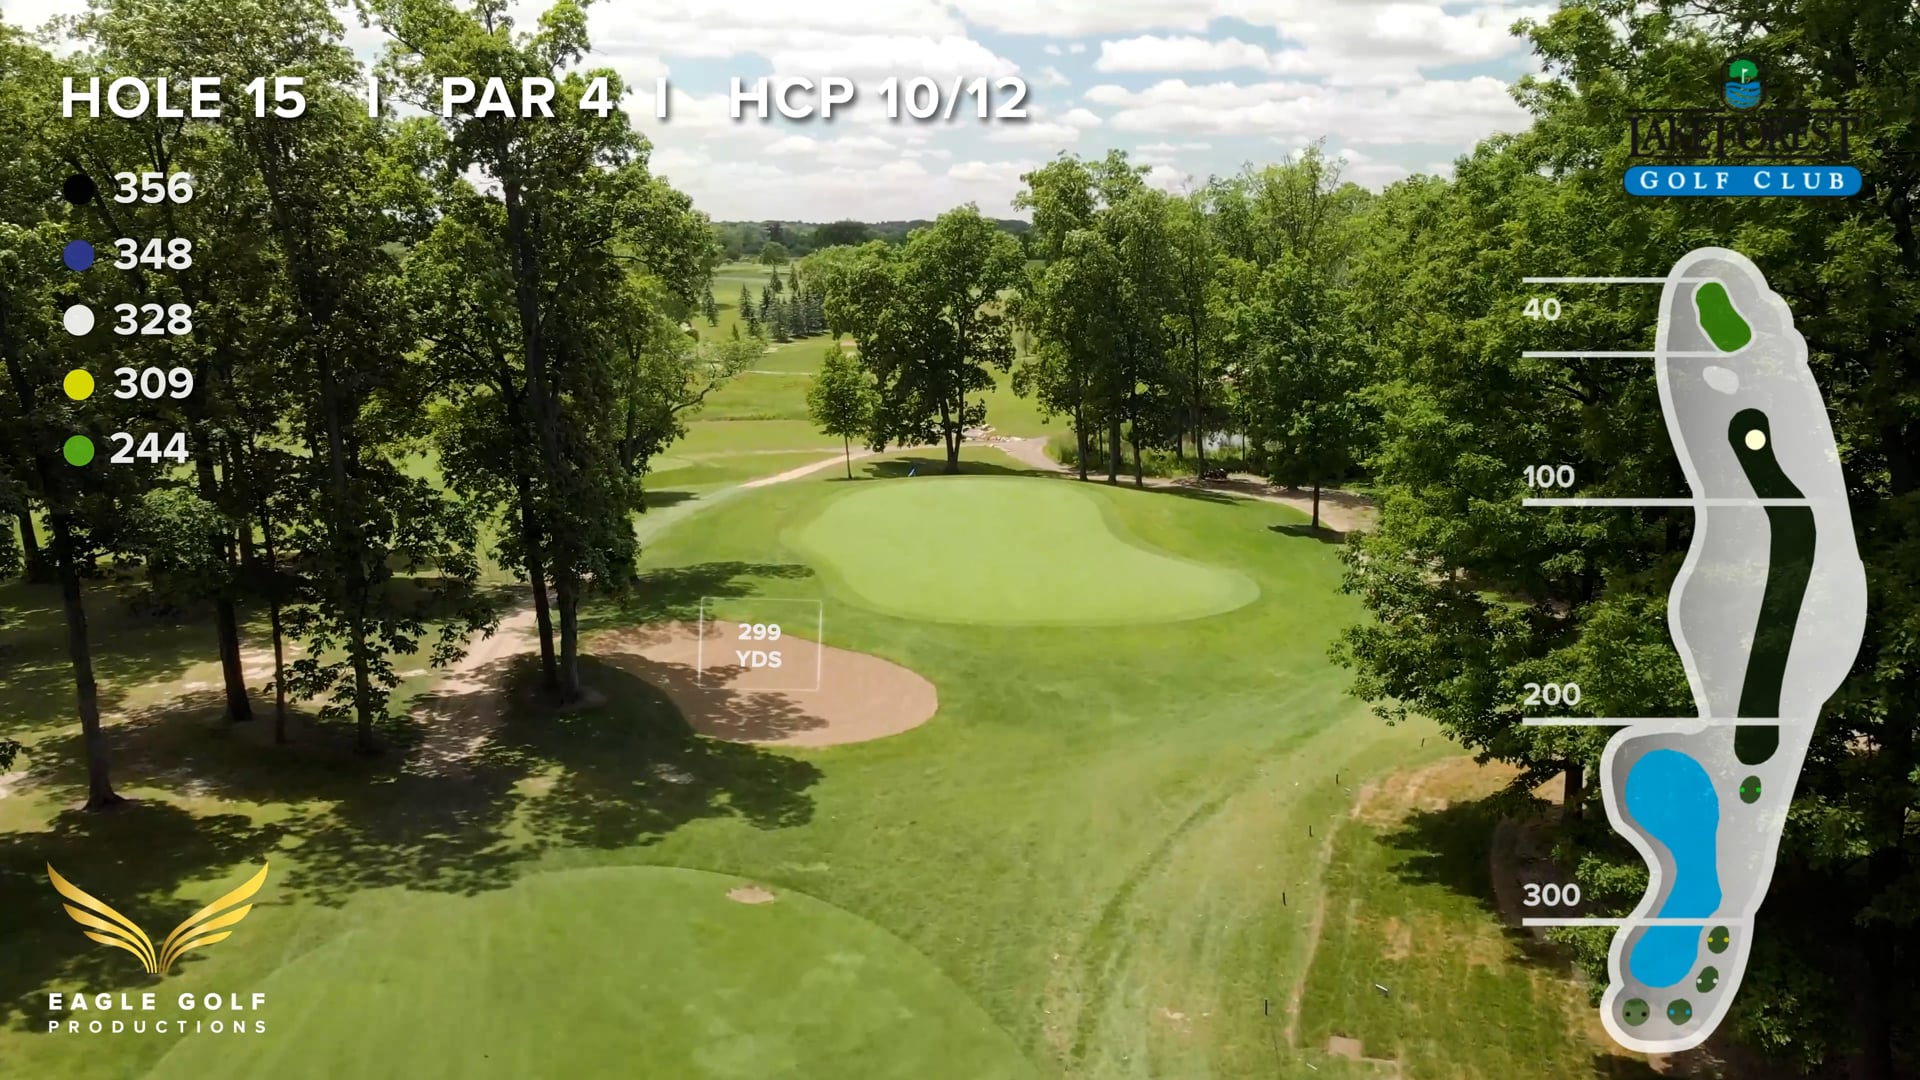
x: 215, y: 1014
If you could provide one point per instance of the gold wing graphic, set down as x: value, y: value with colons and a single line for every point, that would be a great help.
x: 203, y: 927
x: 199, y: 927
x: 116, y: 929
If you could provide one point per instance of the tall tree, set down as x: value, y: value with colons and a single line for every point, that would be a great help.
x: 841, y: 400
x: 927, y: 322
x: 580, y: 215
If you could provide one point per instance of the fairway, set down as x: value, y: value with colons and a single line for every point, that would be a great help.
x: 982, y: 549
x: 673, y: 975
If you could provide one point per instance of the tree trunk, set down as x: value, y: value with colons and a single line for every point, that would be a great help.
x: 846, y: 447
x: 1080, y: 439
x: 100, y: 793
x: 1113, y: 448
x: 272, y: 580
x: 536, y: 559
x: 1139, y: 476
x: 1573, y: 790
x: 1316, y: 503
x: 526, y: 284
x: 39, y: 570
x: 226, y: 618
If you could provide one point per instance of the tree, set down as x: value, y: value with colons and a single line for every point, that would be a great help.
x: 842, y: 233
x: 710, y: 308
x: 1470, y: 595
x: 841, y: 400
x: 774, y: 254
x: 925, y: 319
x: 1193, y: 312
x: 579, y: 212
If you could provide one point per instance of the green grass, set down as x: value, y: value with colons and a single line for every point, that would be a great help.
x: 1006, y: 550
x: 795, y: 987
x: 1410, y: 906
x: 1077, y: 859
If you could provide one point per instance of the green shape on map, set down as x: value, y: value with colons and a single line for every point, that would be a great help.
x: 1750, y: 790
x: 78, y: 450
x: 1709, y: 978
x: 1744, y: 70
x: 1680, y: 1011
x: 1635, y: 1011
x: 1718, y: 318
x: 1718, y: 939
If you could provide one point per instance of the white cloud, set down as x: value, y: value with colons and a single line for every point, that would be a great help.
x: 1040, y: 130
x: 1077, y: 48
x: 1167, y: 178
x: 1051, y: 77
x: 1457, y: 112
x: 1150, y: 53
x: 1051, y: 49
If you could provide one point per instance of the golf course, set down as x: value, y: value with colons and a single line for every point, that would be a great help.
x: 533, y: 546
x: 1126, y: 843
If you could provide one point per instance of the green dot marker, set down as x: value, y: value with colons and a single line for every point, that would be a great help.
x: 78, y: 450
x: 1635, y: 1012
x: 1750, y: 790
x: 1718, y: 939
x: 1709, y: 978
x: 1680, y: 1011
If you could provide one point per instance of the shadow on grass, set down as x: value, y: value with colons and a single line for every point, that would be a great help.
x: 661, y: 499
x: 1322, y: 534
x: 675, y: 592
x: 1453, y: 847
x: 130, y: 648
x: 480, y: 779
x: 895, y: 468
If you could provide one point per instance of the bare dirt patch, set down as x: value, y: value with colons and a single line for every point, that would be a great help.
x: 750, y: 894
x: 859, y: 697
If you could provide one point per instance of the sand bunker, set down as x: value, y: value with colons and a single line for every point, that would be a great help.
x: 857, y: 696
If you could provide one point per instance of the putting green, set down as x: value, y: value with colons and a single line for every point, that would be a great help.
x: 1007, y: 550
x: 628, y: 971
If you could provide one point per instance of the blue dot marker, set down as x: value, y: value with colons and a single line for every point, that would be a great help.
x: 78, y: 254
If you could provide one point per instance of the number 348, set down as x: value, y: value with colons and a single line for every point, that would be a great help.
x: 173, y: 254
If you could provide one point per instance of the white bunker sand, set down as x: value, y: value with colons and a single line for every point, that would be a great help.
x: 859, y: 697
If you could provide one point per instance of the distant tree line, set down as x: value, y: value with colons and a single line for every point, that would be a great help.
x: 747, y: 240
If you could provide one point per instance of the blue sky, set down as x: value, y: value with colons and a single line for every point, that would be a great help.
x: 1189, y: 87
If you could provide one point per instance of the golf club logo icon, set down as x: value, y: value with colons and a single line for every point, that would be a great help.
x: 1742, y: 85
x: 204, y: 927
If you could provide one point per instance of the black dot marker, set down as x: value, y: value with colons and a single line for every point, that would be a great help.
x: 79, y: 189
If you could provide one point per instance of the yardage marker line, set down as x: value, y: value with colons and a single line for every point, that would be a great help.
x: 1608, y: 280
x: 1633, y: 721
x: 1597, y: 501
x: 1612, y: 354
x: 1729, y: 921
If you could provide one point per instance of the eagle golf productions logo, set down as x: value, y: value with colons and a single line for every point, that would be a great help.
x: 1740, y: 149
x: 208, y: 926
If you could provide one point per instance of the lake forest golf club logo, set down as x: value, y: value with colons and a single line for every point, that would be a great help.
x: 1742, y: 85
x: 204, y: 927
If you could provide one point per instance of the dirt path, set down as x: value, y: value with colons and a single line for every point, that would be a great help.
x: 806, y: 470
x: 464, y: 706
x: 1340, y: 511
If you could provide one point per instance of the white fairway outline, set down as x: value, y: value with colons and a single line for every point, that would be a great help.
x: 1794, y: 738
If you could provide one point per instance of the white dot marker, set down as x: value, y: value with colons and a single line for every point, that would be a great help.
x: 1756, y: 439
x: 78, y: 320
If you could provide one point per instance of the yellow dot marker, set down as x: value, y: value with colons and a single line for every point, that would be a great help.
x: 78, y: 385
x: 1756, y: 439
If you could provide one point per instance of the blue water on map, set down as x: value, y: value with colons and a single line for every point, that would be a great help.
x: 1670, y: 798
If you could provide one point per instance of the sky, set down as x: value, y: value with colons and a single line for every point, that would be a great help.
x: 1192, y: 88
